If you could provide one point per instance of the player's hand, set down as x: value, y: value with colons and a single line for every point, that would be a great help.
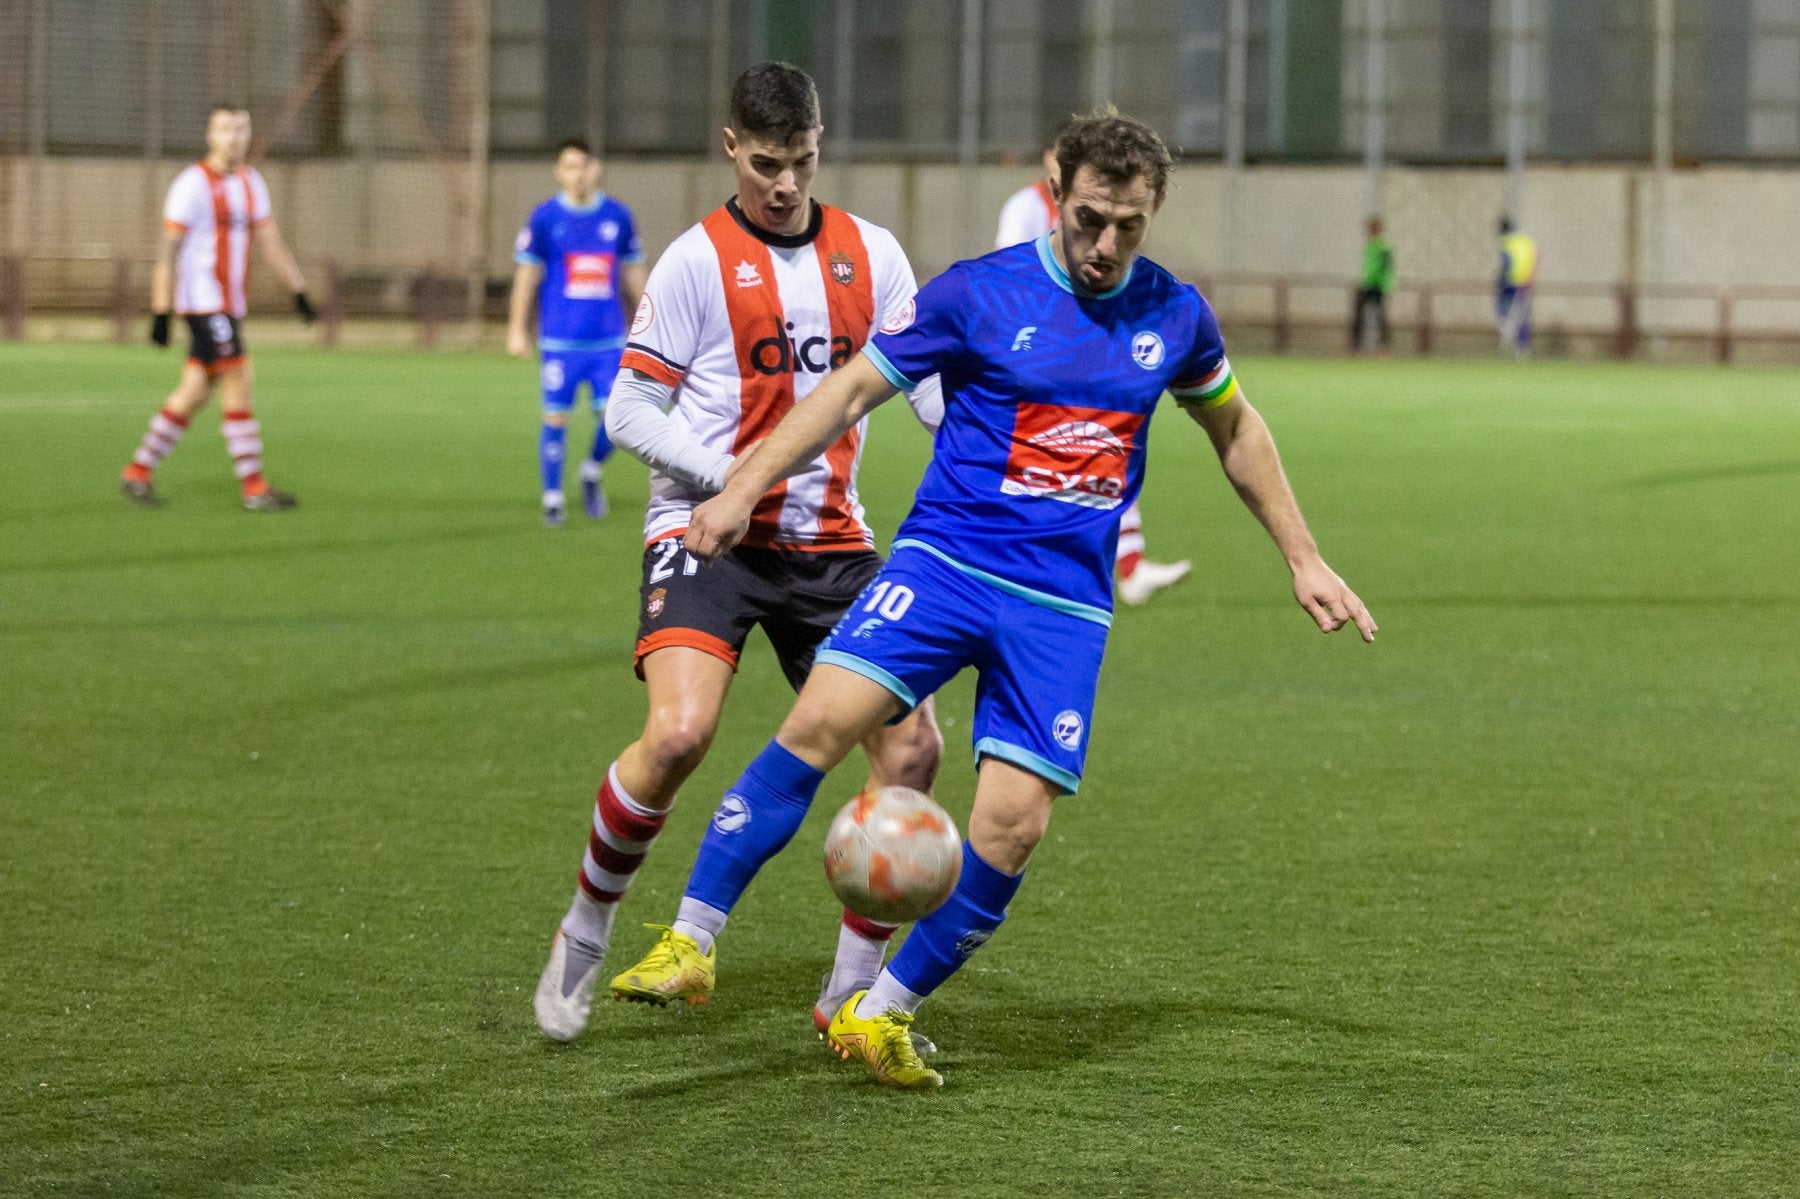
x: 518, y: 344
x: 715, y: 526
x: 303, y: 306
x: 1329, y: 600
x: 159, y: 329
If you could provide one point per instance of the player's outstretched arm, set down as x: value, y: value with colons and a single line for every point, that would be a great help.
x: 810, y: 427
x: 1247, y: 452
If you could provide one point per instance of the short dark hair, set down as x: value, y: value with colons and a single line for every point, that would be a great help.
x: 774, y: 101
x: 573, y: 143
x: 1119, y: 148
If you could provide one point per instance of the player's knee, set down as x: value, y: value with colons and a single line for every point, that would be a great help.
x: 1005, y: 833
x: 679, y: 738
x: 911, y: 752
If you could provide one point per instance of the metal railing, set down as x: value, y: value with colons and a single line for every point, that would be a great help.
x: 1284, y: 310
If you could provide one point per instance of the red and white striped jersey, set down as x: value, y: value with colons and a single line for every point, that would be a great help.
x: 1027, y: 215
x: 743, y: 323
x: 214, y: 213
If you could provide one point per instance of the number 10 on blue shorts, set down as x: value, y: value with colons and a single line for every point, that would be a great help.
x: 923, y: 619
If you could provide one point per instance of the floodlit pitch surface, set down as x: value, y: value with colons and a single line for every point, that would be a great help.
x: 1503, y: 904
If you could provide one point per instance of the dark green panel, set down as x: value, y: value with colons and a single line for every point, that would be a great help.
x: 790, y: 30
x: 1314, y: 79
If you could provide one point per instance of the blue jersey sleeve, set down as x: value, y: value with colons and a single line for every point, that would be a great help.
x: 631, y: 250
x: 533, y: 245
x: 1204, y: 377
x: 924, y: 336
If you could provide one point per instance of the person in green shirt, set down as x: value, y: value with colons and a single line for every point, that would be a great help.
x: 1373, y: 284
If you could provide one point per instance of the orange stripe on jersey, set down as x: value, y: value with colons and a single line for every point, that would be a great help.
x: 221, y: 236
x: 753, y: 310
x: 656, y: 368
x: 1050, y: 210
x: 850, y: 298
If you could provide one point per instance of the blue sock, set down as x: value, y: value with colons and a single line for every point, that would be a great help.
x: 939, y: 944
x: 550, y: 454
x: 758, y: 816
x: 602, y: 443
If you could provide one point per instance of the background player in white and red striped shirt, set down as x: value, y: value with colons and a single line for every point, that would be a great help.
x: 214, y: 210
x: 1027, y: 215
x: 742, y: 315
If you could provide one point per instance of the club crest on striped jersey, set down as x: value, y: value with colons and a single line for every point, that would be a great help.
x: 1075, y: 455
x: 653, y: 604
x: 843, y: 269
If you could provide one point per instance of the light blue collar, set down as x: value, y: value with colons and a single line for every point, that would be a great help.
x: 581, y: 209
x: 1056, y: 272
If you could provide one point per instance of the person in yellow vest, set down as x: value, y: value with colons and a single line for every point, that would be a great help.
x: 1512, y: 291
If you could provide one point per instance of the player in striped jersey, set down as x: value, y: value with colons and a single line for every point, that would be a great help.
x: 214, y: 210
x: 1005, y: 562
x: 743, y: 315
x: 1030, y: 213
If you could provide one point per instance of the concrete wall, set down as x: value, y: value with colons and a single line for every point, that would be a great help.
x: 1598, y: 228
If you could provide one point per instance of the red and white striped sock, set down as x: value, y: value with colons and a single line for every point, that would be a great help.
x: 243, y: 441
x: 1131, y: 542
x: 621, y: 836
x: 862, y: 943
x: 166, y: 428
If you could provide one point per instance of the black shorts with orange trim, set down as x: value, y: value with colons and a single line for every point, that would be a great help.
x: 215, y: 341
x: 796, y: 596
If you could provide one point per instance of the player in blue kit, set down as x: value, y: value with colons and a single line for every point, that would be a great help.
x: 579, y: 257
x: 1052, y: 356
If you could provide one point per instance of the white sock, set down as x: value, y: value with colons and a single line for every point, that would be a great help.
x: 701, y: 921
x: 590, y: 470
x: 887, y: 993
x: 858, y: 962
x: 589, y: 922
x: 553, y: 499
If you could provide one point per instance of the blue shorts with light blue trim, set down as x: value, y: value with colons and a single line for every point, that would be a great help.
x: 921, y: 621
x: 563, y: 372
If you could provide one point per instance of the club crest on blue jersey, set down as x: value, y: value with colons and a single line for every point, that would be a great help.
x: 1147, y: 350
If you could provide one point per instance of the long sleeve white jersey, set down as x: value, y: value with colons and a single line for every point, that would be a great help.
x: 743, y: 323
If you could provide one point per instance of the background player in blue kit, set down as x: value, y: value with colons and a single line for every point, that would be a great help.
x: 581, y: 247
x: 1052, y: 355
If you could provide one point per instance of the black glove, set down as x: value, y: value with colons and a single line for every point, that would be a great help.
x: 304, y: 307
x: 159, y: 329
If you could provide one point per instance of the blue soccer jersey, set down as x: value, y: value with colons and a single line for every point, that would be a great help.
x: 581, y: 251
x: 1047, y: 402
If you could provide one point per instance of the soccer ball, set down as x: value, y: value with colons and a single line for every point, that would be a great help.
x: 893, y: 855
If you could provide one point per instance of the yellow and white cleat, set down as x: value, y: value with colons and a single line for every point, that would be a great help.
x: 674, y: 969
x: 883, y: 1044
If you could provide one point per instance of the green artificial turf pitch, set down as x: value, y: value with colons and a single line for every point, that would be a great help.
x: 1504, y: 904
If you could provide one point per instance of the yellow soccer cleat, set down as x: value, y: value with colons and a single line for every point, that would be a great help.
x: 882, y: 1043
x: 673, y: 969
